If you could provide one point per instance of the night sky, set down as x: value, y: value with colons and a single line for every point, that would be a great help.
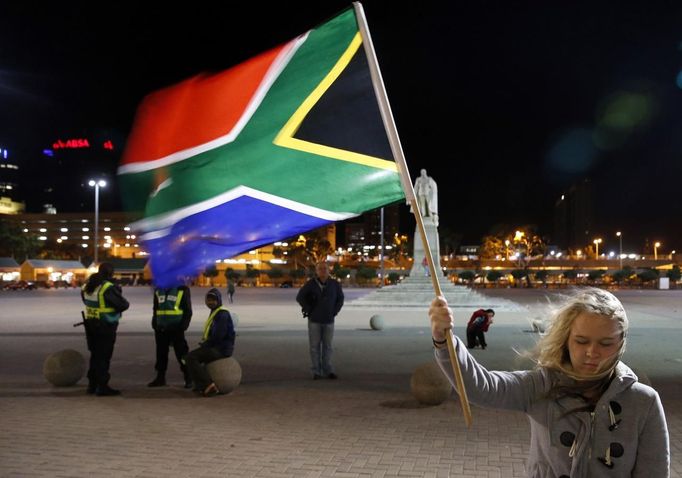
x: 505, y: 104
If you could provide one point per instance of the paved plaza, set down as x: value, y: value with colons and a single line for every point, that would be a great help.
x: 279, y: 422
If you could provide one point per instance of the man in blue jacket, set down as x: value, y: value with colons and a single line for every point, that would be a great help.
x: 321, y: 299
x: 217, y: 342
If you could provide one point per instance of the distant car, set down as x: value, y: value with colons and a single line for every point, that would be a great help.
x: 61, y: 283
x: 287, y: 284
x: 20, y: 285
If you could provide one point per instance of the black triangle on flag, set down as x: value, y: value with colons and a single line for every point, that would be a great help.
x: 347, y: 115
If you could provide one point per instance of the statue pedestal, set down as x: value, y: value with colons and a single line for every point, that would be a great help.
x: 431, y: 229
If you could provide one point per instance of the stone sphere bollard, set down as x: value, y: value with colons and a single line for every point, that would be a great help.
x: 376, y: 322
x: 428, y: 384
x: 226, y: 373
x: 64, y: 368
x: 235, y: 319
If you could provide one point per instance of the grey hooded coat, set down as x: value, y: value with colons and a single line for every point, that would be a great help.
x: 625, y: 436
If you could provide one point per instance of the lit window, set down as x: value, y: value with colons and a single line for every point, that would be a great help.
x: 126, y: 228
x: 86, y: 229
x: 107, y: 229
x: 42, y: 238
x: 64, y: 229
x: 42, y: 229
x: 84, y: 246
x: 85, y: 238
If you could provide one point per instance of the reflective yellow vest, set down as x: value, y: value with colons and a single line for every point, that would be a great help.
x: 209, y: 322
x: 168, y: 311
x: 95, y: 305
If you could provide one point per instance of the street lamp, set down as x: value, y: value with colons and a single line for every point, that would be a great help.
x: 97, y: 183
x: 596, y: 245
x: 506, y: 249
x: 656, y: 246
x: 620, y: 255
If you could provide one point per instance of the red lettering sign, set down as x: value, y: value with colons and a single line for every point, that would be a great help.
x: 71, y: 144
x: 79, y: 143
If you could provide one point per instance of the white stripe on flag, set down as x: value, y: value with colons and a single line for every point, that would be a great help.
x: 159, y: 226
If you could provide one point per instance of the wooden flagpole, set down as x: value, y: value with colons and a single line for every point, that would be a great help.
x: 397, y: 151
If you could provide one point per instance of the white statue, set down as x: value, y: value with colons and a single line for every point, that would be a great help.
x: 426, y: 192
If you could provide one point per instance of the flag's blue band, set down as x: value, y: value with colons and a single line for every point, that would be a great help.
x: 224, y: 231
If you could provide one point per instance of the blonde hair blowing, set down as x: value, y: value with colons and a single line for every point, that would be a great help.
x: 552, y: 349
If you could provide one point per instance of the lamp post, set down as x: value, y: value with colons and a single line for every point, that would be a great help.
x: 506, y: 249
x: 656, y: 246
x: 97, y: 183
x: 596, y: 245
x: 620, y: 254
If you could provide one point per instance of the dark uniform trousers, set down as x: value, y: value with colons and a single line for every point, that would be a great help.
x: 164, y: 339
x: 101, y: 337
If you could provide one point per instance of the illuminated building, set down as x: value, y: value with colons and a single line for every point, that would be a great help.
x: 9, y: 185
x: 73, y: 233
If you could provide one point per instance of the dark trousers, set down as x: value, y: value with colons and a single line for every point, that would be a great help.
x: 475, y: 334
x: 164, y: 340
x: 101, y: 338
x: 196, y: 362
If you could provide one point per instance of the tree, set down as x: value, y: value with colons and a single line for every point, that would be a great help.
x: 366, y: 273
x: 542, y: 275
x: 308, y: 251
x: 621, y: 275
x: 15, y: 243
x: 297, y: 273
x: 341, y: 272
x: 518, y: 274
x: 210, y: 272
x: 275, y: 273
x: 492, y: 247
x: 674, y: 274
x: 570, y: 275
x: 231, y: 274
x: 648, y: 275
x: 493, y: 276
x: 595, y: 274
x: 467, y: 276
x: 393, y: 277
x: 521, y: 240
x: 400, y: 250
x: 251, y: 273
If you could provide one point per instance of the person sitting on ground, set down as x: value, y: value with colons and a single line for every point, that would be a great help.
x: 217, y: 342
x: 589, y: 414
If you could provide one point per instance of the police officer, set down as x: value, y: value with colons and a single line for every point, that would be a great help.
x: 103, y: 306
x: 172, y: 314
